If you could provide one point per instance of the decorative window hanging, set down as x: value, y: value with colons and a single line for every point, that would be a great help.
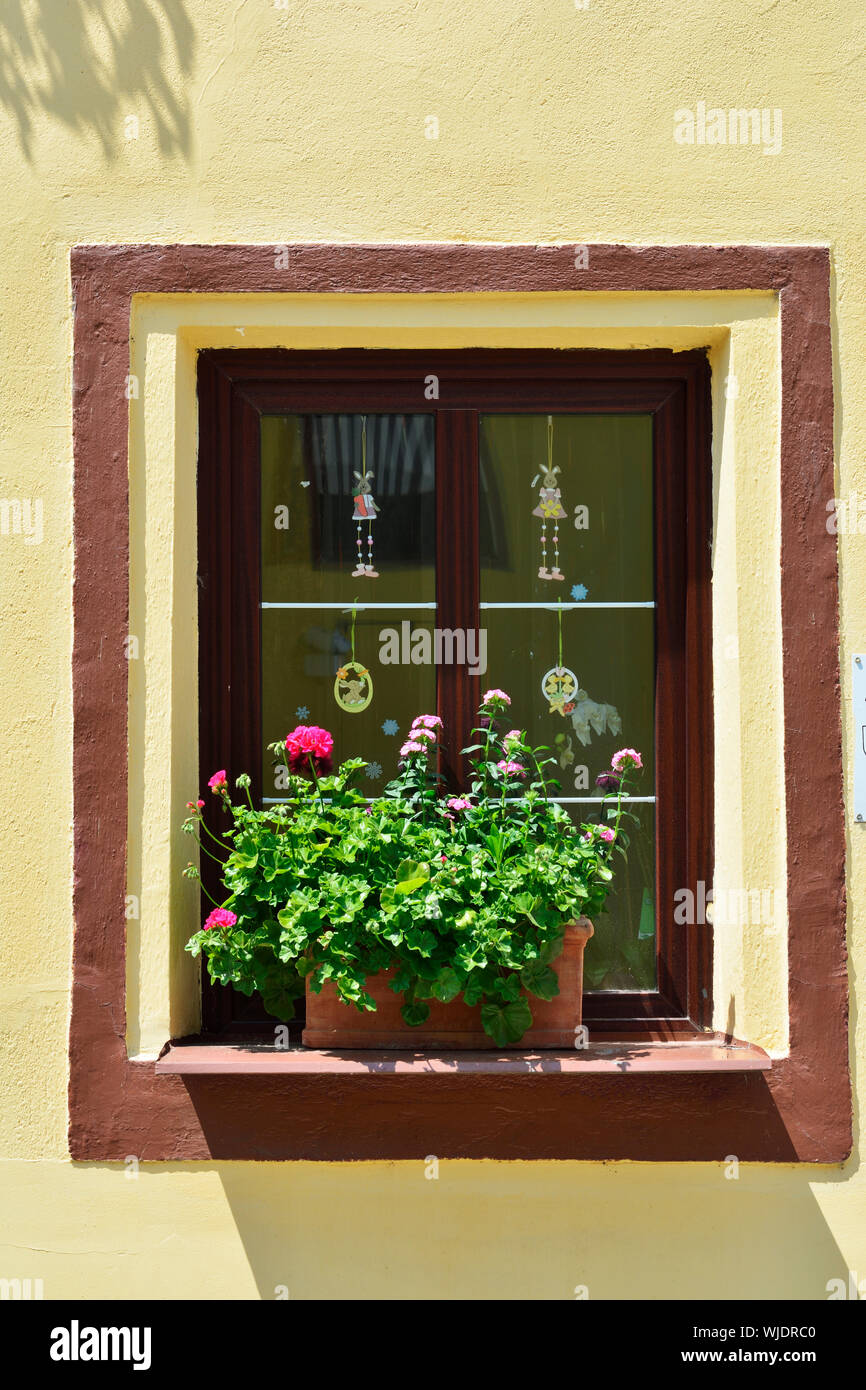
x: 559, y: 684
x: 562, y: 690
x: 549, y: 509
x: 353, y: 685
x: 365, y: 510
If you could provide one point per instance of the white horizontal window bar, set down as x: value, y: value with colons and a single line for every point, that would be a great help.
x: 347, y: 607
x: 592, y: 800
x: 550, y: 607
x: 567, y: 607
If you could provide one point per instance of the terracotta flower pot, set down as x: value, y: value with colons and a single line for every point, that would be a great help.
x: 449, y: 1027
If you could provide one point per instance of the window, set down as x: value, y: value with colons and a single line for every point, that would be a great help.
x: 640, y: 1100
x: 544, y: 512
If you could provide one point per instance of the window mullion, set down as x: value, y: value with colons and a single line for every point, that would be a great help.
x: 457, y: 575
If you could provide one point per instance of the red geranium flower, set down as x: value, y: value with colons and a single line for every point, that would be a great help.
x: 220, y: 917
x: 308, y: 742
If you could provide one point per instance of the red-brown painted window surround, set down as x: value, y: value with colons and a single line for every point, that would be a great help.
x: 584, y: 1108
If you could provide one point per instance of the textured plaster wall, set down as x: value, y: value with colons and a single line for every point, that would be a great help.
x: 163, y: 120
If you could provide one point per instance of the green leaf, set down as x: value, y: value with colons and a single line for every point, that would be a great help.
x: 539, y: 979
x: 544, y: 916
x: 465, y: 920
x: 389, y: 898
x: 417, y: 939
x: 551, y: 949
x: 415, y: 1013
x: 446, y: 986
x: 411, y: 875
x: 525, y: 903
x: 403, y: 977
x: 506, y: 1023
x: 279, y: 1001
x: 507, y: 987
x: 246, y: 854
x: 474, y: 991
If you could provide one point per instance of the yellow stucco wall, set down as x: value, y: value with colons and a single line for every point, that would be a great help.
x: 254, y: 122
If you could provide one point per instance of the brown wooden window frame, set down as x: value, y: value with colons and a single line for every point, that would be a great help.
x: 236, y: 387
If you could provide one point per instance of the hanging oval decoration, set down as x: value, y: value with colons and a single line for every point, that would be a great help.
x: 559, y: 687
x: 353, y: 684
x: 353, y: 687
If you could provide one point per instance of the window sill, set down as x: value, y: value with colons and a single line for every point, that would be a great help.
x: 194, y: 1057
x: 693, y: 1099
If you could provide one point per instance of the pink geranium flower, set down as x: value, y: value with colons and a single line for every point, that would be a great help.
x: 307, y: 742
x: 604, y: 832
x: 309, y: 738
x: 194, y: 805
x: 220, y: 917
x: 508, y: 768
x: 459, y: 803
x: 218, y: 783
x: 625, y: 758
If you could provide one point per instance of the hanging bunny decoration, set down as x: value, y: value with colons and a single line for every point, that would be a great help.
x: 549, y: 508
x: 365, y: 510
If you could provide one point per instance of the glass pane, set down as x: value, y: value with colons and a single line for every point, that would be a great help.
x: 622, y: 954
x: 335, y: 487
x: 600, y: 526
x: 606, y: 651
x: 581, y: 680
x: 328, y: 493
x: 302, y: 652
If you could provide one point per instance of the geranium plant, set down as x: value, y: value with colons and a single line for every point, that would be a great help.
x: 460, y: 895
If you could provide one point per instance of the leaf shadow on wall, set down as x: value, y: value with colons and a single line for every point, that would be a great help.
x: 97, y: 65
